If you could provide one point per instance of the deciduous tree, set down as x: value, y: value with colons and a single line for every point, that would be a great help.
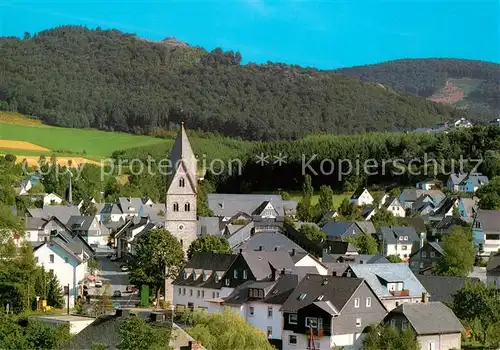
x: 459, y: 254
x: 136, y: 333
x: 209, y: 243
x: 312, y: 232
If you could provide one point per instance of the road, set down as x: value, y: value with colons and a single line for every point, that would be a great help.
x: 112, y: 274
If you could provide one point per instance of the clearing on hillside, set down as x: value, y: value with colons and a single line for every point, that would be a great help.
x: 456, y: 91
x: 17, y: 118
x: 63, y: 161
x: 22, y: 145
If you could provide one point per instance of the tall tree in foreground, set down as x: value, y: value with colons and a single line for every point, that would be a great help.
x: 459, y: 254
x: 489, y: 195
x: 389, y: 338
x: 209, y: 243
x: 304, y: 207
x: 365, y: 243
x: 158, y: 256
x: 137, y: 333
x: 222, y: 331
x: 313, y: 233
x: 325, y: 200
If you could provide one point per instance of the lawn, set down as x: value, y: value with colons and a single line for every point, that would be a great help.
x: 337, y: 198
x: 93, y: 144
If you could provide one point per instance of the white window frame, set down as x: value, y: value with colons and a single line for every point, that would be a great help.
x: 358, y: 322
x: 368, y: 302
x: 251, y: 311
x: 235, y: 273
x: 308, y: 322
x: 245, y: 274
x: 356, y: 303
x: 269, y: 312
x: 269, y: 332
x: 290, y: 321
x: 290, y: 337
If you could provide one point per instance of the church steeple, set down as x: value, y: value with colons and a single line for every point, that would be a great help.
x: 182, y: 158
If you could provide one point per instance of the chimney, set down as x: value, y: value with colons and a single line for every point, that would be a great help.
x: 283, y: 271
x: 273, y: 274
x: 293, y: 252
x: 241, y: 250
x: 425, y: 298
x: 422, y: 238
x: 260, y: 248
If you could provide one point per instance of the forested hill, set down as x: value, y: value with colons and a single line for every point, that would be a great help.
x: 76, y: 77
x: 465, y: 83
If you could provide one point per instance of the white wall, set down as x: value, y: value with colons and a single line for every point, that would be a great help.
x: 397, y: 249
x: 261, y: 320
x: 32, y: 236
x: 184, y: 299
x: 302, y: 341
x: 390, y: 304
x: 51, y: 199
x: 309, y: 261
x: 397, y: 211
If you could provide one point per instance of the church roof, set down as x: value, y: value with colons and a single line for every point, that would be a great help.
x: 182, y: 153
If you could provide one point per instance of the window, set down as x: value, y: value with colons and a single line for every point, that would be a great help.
x: 182, y: 242
x: 176, y: 206
x: 302, y: 296
x: 227, y: 281
x: 269, y: 311
x: 183, y: 291
x: 51, y: 258
x: 194, y: 276
x: 198, y: 294
x: 187, y: 207
x: 217, y: 294
x: 251, y: 310
x: 235, y: 273
x: 269, y: 331
x: 190, y: 292
x: 292, y: 318
x: 404, y: 247
x: 368, y: 302
x: 185, y: 275
x: 478, y: 224
x: 393, y: 323
x: 358, y: 322
x: 431, y: 346
x: 421, y: 265
x: 292, y: 339
x: 424, y: 254
x: 213, y: 295
x: 66, y: 260
x: 181, y: 182
x: 311, y: 322
x: 180, y: 291
x: 202, y: 293
x: 245, y: 274
x: 356, y: 302
x: 433, y: 254
x: 404, y: 325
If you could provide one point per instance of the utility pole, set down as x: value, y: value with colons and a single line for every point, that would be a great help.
x: 68, y: 298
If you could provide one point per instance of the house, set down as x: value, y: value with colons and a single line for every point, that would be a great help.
x: 399, y: 240
x: 424, y: 260
x: 408, y: 196
x: 361, y: 197
x: 226, y: 205
x: 340, y: 230
x: 495, y: 122
x: 423, y: 206
x: 368, y: 212
x: 94, y: 232
x: 467, y: 208
x: 443, y: 288
x: 268, y: 241
x: 307, y: 263
x: 472, y: 182
x: 62, y: 212
x: 446, y: 226
x: 65, y: 258
x: 428, y: 184
x: 434, y: 324
x: 337, y: 264
x: 454, y: 181
x: 447, y: 207
x: 394, y: 284
x: 418, y: 224
x: 392, y: 205
x: 111, y: 212
x: 259, y: 304
x: 208, y: 225
x: 51, y: 199
x: 493, y: 270
x: 126, y: 237
x: 200, y: 282
x: 23, y: 187
x: 326, y: 311
x: 486, y: 230
x: 462, y: 123
x: 339, y: 247
x: 155, y: 211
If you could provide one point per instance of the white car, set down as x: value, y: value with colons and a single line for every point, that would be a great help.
x: 98, y: 284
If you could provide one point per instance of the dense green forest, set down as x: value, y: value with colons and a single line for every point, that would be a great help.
x: 75, y: 77
x: 425, y: 77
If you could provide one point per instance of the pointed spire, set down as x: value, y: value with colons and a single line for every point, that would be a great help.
x: 182, y: 152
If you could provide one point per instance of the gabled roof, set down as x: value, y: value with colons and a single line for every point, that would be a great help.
x: 153, y: 210
x: 260, y: 208
x: 489, y: 219
x: 182, y: 158
x: 476, y: 180
x: 268, y: 241
x: 442, y: 288
x: 260, y: 262
x: 446, y: 205
x: 375, y: 273
x: 359, y: 192
x: 391, y: 234
x: 130, y: 205
x: 241, y: 235
x: 438, y: 246
x: 412, y: 194
x: 470, y: 205
x: 62, y: 212
x: 456, y: 179
x: 336, y: 290
x: 429, y: 318
x: 208, y: 225
x: 391, y: 201
x: 32, y: 223
x: 275, y: 292
x: 339, y: 247
x: 111, y: 208
x: 80, y: 223
x: 417, y: 223
x: 366, y: 227
x: 227, y: 204
x: 450, y: 221
x: 339, y: 228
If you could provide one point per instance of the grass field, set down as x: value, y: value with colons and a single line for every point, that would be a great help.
x: 337, y: 198
x: 88, y: 143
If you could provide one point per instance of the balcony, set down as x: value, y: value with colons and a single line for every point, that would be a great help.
x: 400, y: 293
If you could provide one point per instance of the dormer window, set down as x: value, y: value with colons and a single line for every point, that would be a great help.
x: 181, y: 182
x: 204, y: 276
x: 320, y: 298
x: 194, y: 276
x: 302, y: 296
x: 185, y: 275
x: 176, y: 206
x: 187, y: 207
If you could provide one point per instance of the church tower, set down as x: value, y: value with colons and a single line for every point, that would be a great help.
x: 180, y: 217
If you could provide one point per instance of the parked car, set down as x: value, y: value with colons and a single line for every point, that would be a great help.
x: 117, y: 294
x: 98, y: 284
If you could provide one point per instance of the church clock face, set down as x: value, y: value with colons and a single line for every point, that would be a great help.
x: 180, y: 227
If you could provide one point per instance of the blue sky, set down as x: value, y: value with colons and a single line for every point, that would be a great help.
x: 322, y: 34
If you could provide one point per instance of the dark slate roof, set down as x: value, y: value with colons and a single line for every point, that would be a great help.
x: 147, y: 229
x: 446, y: 205
x: 62, y: 212
x: 34, y: 223
x: 456, y: 179
x: 449, y: 221
x: 80, y: 223
x: 338, y: 228
x: 260, y: 208
x: 429, y: 318
x: 438, y: 246
x: 476, y: 179
x: 260, y: 262
x: 111, y: 208
x: 268, y: 241
x: 208, y: 226
x: 241, y: 235
x: 213, y: 264
x: 336, y: 290
x: 226, y: 204
x: 490, y: 220
x: 356, y: 259
x: 339, y: 247
x: 412, y: 194
x: 442, y: 288
x: 422, y: 201
x: 358, y: 193
x: 366, y: 226
x: 417, y: 223
x: 391, y: 234
x: 276, y: 292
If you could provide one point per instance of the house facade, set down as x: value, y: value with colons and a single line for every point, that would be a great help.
x: 424, y: 260
x: 493, y: 270
x: 472, y: 182
x: 325, y: 311
x: 362, y: 197
x: 392, y: 205
x: 51, y: 199
x: 486, y: 231
x: 398, y: 240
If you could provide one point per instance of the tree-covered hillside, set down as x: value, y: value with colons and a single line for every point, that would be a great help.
x: 76, y: 77
x: 426, y: 77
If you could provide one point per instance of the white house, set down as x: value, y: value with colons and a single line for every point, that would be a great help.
x: 362, y: 197
x: 428, y: 185
x: 52, y: 199
x: 399, y: 240
x: 493, y: 270
x: 56, y: 257
x: 392, y: 205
